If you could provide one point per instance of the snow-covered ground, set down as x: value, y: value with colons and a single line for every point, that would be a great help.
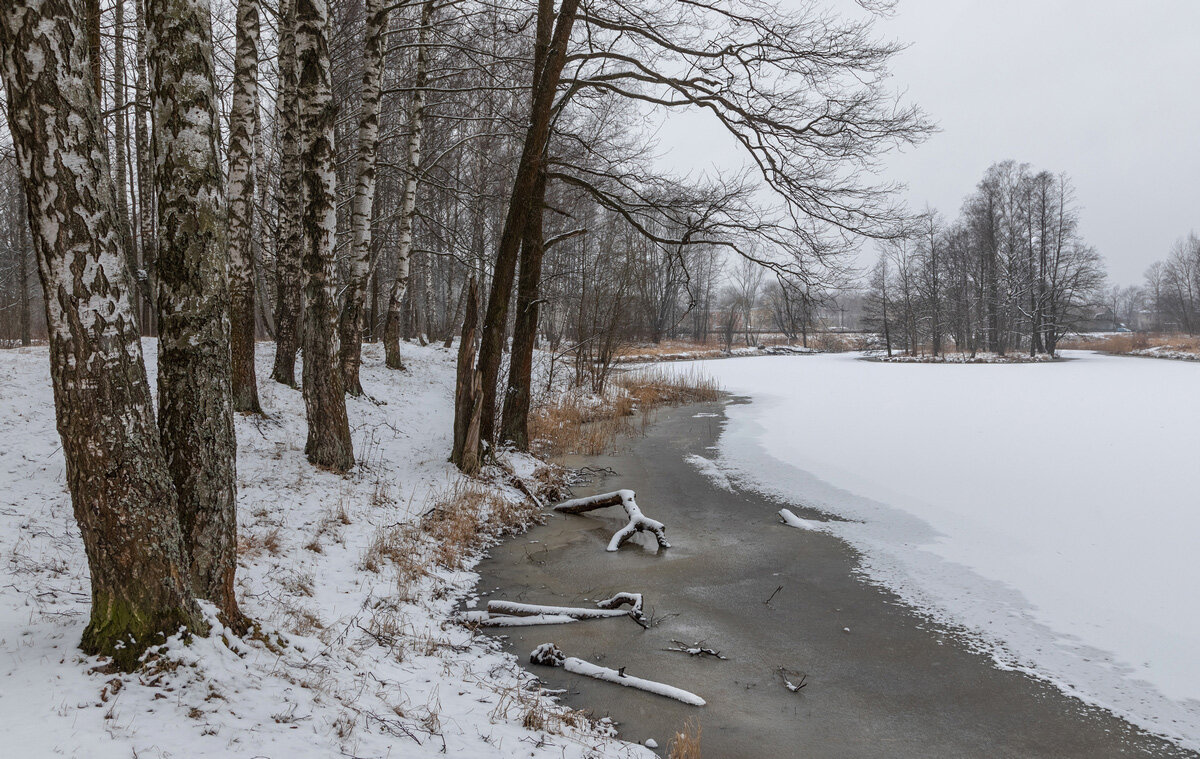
x: 1049, y: 510
x: 359, y: 658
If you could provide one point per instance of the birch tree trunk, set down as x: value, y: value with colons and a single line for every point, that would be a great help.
x: 120, y: 487
x: 194, y: 401
x: 328, y: 442
x: 240, y: 188
x: 145, y: 181
x: 408, y: 204
x: 350, y: 325
x: 121, y: 145
x: 288, y: 277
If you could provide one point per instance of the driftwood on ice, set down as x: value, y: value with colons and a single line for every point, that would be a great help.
x: 476, y: 618
x: 625, y: 499
x: 514, y: 614
x: 550, y: 655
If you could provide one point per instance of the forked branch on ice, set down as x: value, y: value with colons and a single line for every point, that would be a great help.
x: 624, y: 498
x: 550, y: 655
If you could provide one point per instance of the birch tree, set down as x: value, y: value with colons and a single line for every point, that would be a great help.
x: 351, y: 321
x: 328, y: 442
x: 288, y: 275
x: 240, y: 186
x: 195, y: 407
x: 408, y: 203
x: 120, y: 486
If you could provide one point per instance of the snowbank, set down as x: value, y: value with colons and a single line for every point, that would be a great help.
x: 355, y: 660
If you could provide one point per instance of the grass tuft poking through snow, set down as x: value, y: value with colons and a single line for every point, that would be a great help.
x: 352, y: 581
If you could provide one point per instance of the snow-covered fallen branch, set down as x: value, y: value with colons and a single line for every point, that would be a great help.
x: 624, y: 498
x: 550, y: 655
x: 791, y: 520
x: 635, y: 605
x: 486, y: 619
x: 515, y: 609
x: 694, y: 649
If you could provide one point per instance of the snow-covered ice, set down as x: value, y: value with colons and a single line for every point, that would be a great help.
x: 1049, y: 510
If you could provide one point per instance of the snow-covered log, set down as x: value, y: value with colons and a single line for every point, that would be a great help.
x: 512, y: 608
x: 550, y: 655
x: 487, y: 619
x: 624, y: 498
x: 791, y: 520
x: 635, y: 605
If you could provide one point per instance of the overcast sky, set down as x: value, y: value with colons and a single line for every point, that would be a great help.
x: 1106, y: 91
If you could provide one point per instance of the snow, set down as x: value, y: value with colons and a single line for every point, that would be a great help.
x: 1047, y: 510
x: 352, y: 661
x: 791, y: 520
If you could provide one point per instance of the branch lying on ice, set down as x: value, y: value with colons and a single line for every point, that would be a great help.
x: 624, y: 498
x: 515, y: 609
x: 695, y: 649
x: 795, y: 687
x: 485, y: 619
x: 791, y: 520
x: 635, y: 605
x: 514, y: 614
x: 549, y: 655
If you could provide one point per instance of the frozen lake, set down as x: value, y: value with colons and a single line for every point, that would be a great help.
x: 1050, y: 510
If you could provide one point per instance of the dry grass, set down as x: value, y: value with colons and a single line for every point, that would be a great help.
x: 686, y: 742
x: 456, y: 523
x: 1128, y: 342
x: 587, y: 425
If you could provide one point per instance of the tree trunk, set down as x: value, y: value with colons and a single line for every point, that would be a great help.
x: 495, y: 321
x: 121, y: 145
x: 416, y: 126
x: 120, y: 487
x: 194, y: 400
x: 26, y: 316
x: 350, y: 325
x: 288, y: 277
x: 145, y: 183
x: 240, y: 185
x: 328, y: 442
x: 467, y: 401
x: 514, y: 425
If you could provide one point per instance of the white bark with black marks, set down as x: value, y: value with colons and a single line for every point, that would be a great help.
x: 120, y: 487
x: 328, y: 442
x: 194, y: 392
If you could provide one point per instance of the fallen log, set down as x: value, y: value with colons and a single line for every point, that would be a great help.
x: 515, y: 609
x: 624, y: 498
x: 550, y: 655
x: 485, y: 619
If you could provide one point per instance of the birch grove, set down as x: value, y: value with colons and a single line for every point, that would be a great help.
x: 318, y: 178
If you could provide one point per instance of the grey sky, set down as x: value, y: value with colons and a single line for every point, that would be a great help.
x: 1107, y: 91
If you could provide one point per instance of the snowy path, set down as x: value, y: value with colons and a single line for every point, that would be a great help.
x: 1051, y: 510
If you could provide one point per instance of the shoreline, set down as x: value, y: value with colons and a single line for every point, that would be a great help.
x: 895, y: 685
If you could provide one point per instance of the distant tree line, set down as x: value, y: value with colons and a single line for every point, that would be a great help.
x: 1010, y: 274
